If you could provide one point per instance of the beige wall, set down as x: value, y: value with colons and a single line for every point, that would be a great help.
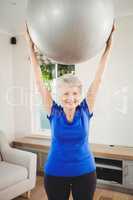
x: 6, y: 81
x: 112, y: 122
x: 22, y: 91
x: 15, y: 76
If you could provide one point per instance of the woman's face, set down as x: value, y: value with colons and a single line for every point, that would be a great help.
x: 70, y: 96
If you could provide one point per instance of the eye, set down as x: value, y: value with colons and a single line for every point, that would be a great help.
x: 66, y: 93
x: 75, y: 93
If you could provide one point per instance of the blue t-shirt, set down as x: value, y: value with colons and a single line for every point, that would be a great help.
x: 69, y: 153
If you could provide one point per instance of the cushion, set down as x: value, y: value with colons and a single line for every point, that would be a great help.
x: 11, y: 174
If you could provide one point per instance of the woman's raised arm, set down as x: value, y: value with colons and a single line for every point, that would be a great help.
x: 45, y: 93
x: 93, y: 89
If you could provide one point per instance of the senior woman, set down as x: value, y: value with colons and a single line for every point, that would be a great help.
x: 70, y: 165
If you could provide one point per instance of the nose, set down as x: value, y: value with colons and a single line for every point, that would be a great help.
x: 70, y: 98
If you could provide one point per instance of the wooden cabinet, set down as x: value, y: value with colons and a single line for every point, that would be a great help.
x: 109, y: 171
x: 128, y: 174
x: 115, y: 174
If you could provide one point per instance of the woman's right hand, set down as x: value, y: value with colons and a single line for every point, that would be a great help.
x: 28, y: 38
x: 109, y: 41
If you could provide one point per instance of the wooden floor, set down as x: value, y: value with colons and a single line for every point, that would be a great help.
x: 38, y: 193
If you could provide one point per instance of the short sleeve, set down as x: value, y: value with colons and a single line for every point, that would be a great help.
x: 54, y: 110
x: 85, y: 107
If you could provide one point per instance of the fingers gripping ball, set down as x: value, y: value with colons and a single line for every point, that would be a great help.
x: 70, y: 31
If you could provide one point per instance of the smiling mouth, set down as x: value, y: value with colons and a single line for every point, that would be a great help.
x: 71, y: 104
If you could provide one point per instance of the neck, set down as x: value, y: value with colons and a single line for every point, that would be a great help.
x: 69, y: 112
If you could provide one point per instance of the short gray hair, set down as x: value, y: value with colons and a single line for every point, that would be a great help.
x: 71, y: 80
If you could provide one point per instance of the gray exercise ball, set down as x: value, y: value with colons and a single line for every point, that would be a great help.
x: 70, y: 31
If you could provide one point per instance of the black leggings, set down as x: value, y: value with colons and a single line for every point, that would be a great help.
x: 82, y: 187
